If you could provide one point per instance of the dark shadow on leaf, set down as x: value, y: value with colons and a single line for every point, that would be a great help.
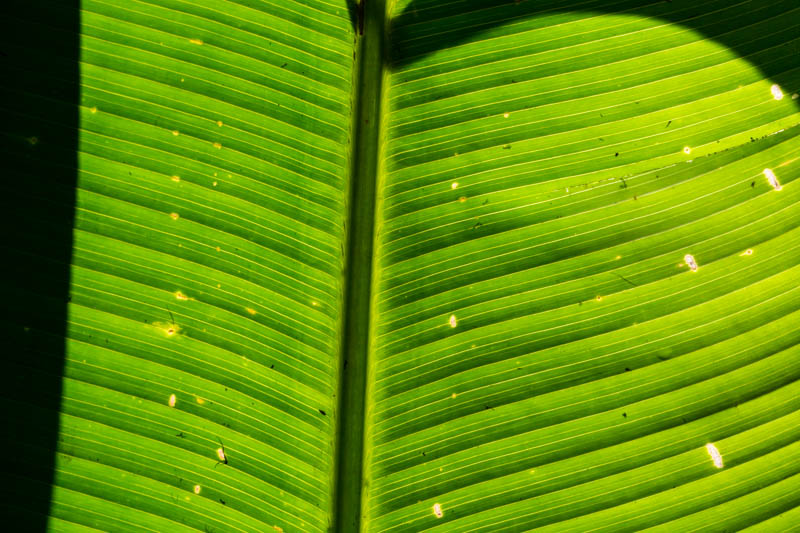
x: 427, y: 26
x: 352, y: 9
x: 39, y: 105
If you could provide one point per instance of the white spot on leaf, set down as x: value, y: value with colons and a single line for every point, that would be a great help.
x: 172, y: 400
x: 773, y: 179
x: 453, y: 321
x: 690, y: 262
x: 715, y: 455
x: 777, y: 93
x: 437, y: 510
x: 687, y: 150
x: 197, y: 489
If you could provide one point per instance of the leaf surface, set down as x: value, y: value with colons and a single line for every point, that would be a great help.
x: 577, y: 311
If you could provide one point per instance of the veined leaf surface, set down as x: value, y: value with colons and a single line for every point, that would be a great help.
x: 490, y: 266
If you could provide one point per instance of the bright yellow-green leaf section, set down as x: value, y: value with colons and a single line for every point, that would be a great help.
x: 207, y: 270
x: 588, y: 269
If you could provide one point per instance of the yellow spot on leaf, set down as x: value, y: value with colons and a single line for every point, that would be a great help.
x: 180, y: 296
x: 196, y: 41
x: 219, y: 123
x: 200, y: 401
x: 746, y: 252
x: 174, y: 216
x: 221, y: 454
x: 176, y: 178
x: 453, y: 396
x: 214, y: 184
x: 505, y: 115
x: 197, y: 489
x: 93, y: 110
x: 462, y: 199
x: 168, y: 328
x: 217, y: 145
x: 250, y: 310
x: 33, y: 141
x: 176, y: 133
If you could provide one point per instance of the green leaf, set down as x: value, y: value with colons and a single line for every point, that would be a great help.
x: 488, y: 266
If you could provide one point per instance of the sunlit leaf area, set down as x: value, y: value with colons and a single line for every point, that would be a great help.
x: 582, y: 290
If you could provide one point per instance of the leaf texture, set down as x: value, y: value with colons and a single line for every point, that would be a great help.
x: 585, y: 306
x: 545, y: 354
x: 206, y: 270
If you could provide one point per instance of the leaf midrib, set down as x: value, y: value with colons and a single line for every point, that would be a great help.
x: 365, y: 134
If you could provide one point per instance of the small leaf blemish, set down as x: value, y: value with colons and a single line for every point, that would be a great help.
x: 690, y: 262
x: 716, y: 457
x: 773, y: 179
